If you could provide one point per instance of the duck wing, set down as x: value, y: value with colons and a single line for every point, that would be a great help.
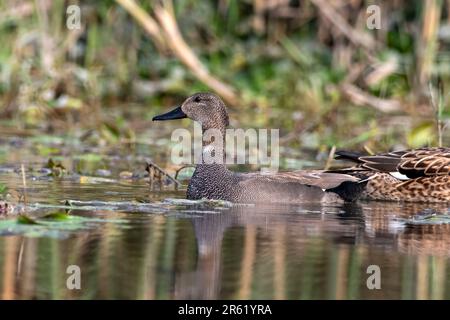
x: 316, y: 178
x: 412, y: 163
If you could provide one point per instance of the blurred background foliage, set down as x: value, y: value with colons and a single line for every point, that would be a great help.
x: 309, y: 67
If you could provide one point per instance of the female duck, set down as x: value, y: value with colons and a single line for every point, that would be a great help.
x: 420, y: 175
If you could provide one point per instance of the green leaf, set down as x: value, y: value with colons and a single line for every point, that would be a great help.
x: 59, y: 216
x: 23, y: 219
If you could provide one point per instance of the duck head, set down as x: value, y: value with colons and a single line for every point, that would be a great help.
x: 206, y: 108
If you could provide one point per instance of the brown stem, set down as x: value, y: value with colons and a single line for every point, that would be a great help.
x: 165, y: 32
x: 357, y: 37
x: 179, y: 47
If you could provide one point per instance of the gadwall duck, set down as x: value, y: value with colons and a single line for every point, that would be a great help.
x: 215, y: 181
x: 418, y: 175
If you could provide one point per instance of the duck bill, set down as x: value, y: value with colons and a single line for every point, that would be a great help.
x: 176, y: 113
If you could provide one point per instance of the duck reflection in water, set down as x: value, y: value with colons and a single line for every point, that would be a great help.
x: 287, y: 237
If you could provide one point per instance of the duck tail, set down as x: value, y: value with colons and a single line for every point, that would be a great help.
x: 349, y: 190
x: 349, y: 155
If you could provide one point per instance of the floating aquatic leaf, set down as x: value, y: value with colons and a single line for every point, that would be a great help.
x: 59, y: 216
x: 23, y: 219
x: 123, y: 206
x: 55, y: 225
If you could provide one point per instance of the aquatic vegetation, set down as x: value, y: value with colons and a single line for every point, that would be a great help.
x: 53, y: 224
x: 299, y: 71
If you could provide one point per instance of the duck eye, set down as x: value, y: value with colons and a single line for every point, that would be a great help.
x: 197, y: 99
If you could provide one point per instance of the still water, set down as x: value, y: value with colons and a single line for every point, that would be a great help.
x: 133, y: 243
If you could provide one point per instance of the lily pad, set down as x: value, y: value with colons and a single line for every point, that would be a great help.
x: 22, y: 219
x: 56, y: 224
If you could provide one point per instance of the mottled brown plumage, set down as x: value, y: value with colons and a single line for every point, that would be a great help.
x: 426, y: 174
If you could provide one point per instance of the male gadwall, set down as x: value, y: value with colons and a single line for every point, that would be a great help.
x: 215, y: 181
x: 419, y: 175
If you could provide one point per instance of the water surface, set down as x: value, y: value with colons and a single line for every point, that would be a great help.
x: 131, y: 242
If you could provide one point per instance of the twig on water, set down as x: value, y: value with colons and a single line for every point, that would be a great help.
x: 156, y: 172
